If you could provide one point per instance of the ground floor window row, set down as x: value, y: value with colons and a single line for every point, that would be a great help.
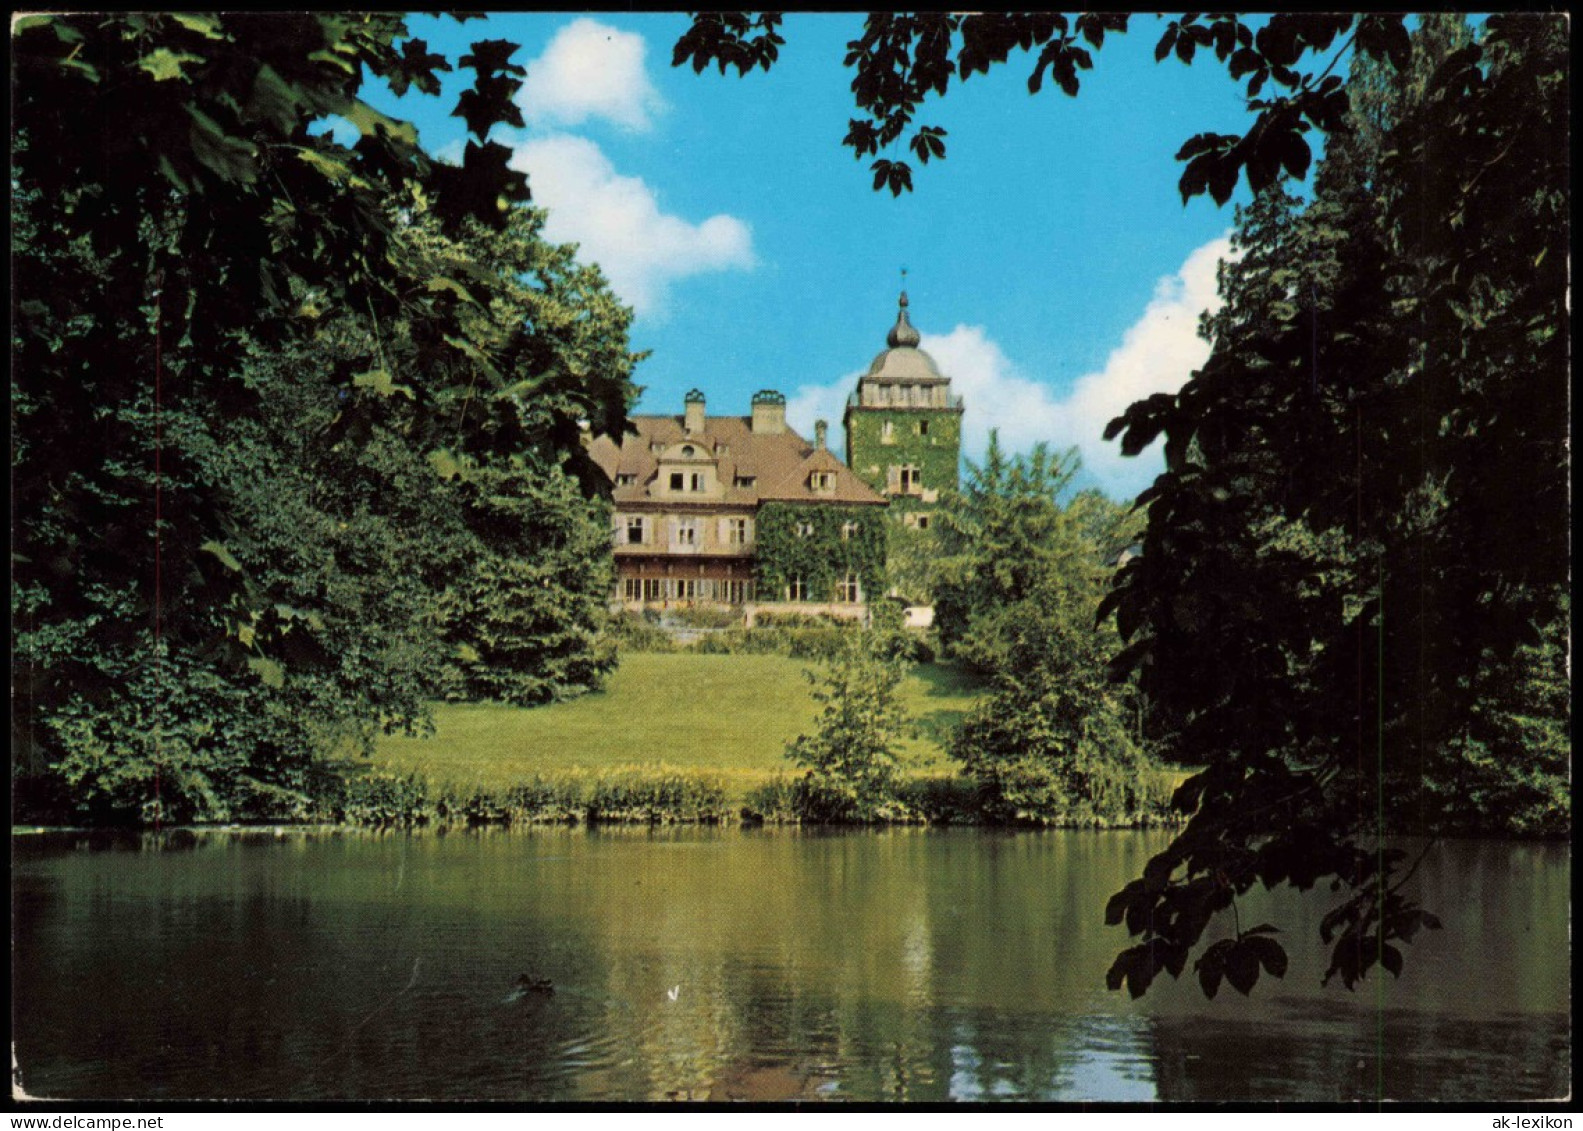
x: 686, y: 589
x: 845, y: 590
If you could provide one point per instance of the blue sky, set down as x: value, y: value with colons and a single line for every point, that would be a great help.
x: 1052, y: 268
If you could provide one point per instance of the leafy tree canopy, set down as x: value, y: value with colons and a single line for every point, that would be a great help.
x: 216, y: 305
x: 1287, y: 66
x: 1353, y: 578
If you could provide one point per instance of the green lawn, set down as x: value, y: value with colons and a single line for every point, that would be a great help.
x: 731, y: 714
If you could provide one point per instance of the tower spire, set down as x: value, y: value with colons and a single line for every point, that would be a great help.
x: 903, y: 333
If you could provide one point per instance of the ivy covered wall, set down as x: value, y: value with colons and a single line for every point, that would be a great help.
x: 937, y: 454
x: 806, y: 540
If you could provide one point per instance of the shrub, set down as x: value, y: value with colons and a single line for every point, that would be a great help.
x: 706, y: 616
x: 657, y: 795
x: 775, y: 800
x: 941, y: 801
x: 380, y: 798
x: 632, y: 632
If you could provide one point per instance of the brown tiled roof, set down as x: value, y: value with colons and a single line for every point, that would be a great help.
x: 780, y: 463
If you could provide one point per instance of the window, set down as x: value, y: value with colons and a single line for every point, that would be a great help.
x: 684, y: 589
x: 923, y: 522
x: 635, y: 530
x: 687, y: 532
x: 632, y: 588
x: 848, y: 529
x: 796, y: 589
x: 805, y: 530
x: 736, y: 532
x: 626, y: 480
x: 676, y: 481
x: 887, y: 432
x: 653, y: 589
x: 736, y: 592
x: 696, y: 481
x: 911, y: 480
x: 746, y: 481
x: 923, y: 427
x: 822, y: 481
x: 848, y: 590
x: 687, y: 450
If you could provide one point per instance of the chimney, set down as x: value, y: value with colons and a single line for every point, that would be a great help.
x: 694, y: 402
x: 820, y: 431
x: 769, y: 412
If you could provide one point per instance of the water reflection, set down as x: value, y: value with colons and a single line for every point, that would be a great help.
x: 761, y: 965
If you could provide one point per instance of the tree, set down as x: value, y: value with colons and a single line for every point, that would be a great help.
x: 1360, y: 536
x: 1022, y: 574
x: 1055, y: 738
x: 180, y: 215
x: 999, y: 537
x: 853, y: 758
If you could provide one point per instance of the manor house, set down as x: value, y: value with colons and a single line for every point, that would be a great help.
x: 741, y: 510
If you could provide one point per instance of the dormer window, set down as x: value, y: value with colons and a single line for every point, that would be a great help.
x: 626, y: 480
x: 688, y: 451
x: 822, y: 481
x: 746, y: 482
x: 805, y: 530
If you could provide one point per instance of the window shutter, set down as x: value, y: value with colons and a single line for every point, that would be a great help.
x: 893, y: 478
x: 723, y: 532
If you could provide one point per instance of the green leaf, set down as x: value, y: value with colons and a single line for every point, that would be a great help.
x: 441, y: 283
x: 268, y: 671
x: 331, y: 167
x: 206, y: 26
x: 226, y: 558
x: 477, y: 356
x: 446, y: 465
x: 229, y: 158
x: 164, y: 64
x: 381, y: 382
x: 371, y: 123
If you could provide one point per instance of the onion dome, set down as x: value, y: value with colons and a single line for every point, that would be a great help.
x: 903, y: 333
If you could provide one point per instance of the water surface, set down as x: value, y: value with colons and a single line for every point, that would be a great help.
x: 903, y: 965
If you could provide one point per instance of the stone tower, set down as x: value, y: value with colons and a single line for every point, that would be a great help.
x: 903, y: 426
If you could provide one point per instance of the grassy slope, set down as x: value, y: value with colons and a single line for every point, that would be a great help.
x: 729, y: 714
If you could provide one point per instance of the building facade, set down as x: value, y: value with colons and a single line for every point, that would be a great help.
x: 736, y: 510
x: 904, y: 426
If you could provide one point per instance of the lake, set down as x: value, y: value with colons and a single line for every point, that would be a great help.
x: 771, y: 964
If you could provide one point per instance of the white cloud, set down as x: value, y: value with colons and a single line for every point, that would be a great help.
x: 590, y: 70
x: 821, y: 402
x: 618, y: 222
x: 1157, y: 354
